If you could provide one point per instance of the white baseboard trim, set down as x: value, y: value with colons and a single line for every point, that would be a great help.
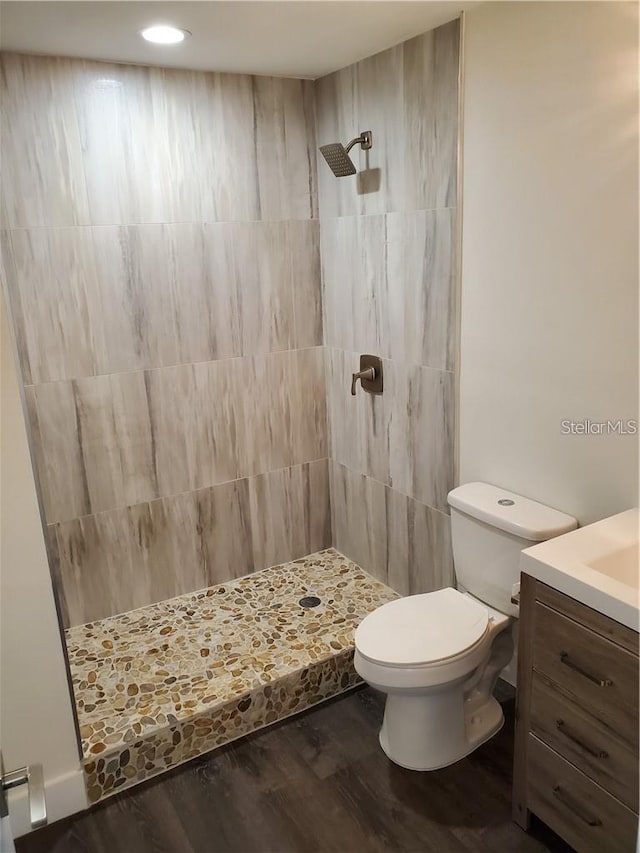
x: 65, y: 795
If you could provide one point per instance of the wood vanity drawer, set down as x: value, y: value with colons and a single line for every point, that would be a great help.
x: 585, y: 742
x: 601, y: 676
x: 585, y: 815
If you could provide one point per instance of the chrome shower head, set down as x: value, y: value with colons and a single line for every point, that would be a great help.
x: 337, y: 156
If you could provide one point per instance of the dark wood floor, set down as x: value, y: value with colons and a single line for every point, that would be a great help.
x: 316, y: 782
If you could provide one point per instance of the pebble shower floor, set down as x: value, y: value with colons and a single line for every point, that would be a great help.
x: 160, y: 685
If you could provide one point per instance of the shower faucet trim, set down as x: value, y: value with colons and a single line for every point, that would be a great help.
x: 370, y: 375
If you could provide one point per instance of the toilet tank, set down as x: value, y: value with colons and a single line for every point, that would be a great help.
x: 489, y: 528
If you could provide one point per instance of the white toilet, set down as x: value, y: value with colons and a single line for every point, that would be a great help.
x: 437, y: 656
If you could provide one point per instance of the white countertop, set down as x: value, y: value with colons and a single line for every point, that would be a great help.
x: 597, y: 565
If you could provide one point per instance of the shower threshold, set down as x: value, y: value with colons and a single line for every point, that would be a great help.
x: 160, y: 685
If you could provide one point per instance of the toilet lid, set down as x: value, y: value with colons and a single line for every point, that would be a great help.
x: 422, y: 629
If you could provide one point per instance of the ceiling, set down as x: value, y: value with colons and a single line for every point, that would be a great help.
x: 302, y: 38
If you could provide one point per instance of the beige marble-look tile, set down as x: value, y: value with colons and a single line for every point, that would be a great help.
x: 309, y: 411
x: 196, y: 129
x: 290, y: 514
x: 13, y: 306
x: 389, y: 285
x: 134, y: 309
x: 43, y: 180
x: 112, y: 440
x: 284, y: 419
x: 360, y: 426
x: 431, y: 117
x: 380, y: 179
x: 269, y: 396
x: 225, y: 532
x: 336, y: 121
x: 52, y: 285
x: 164, y: 548
x: 422, y: 437
x: 359, y: 519
x: 114, y: 561
x: 121, y: 559
x: 356, y: 285
x: 363, y: 96
x: 399, y: 540
x: 93, y: 441
x: 103, y: 154
x: 141, y: 125
x: 115, y: 436
x: 54, y: 425
x: 306, y: 283
x: 285, y: 147
x: 419, y: 546
x: 115, y: 298
x: 262, y: 273
x: 196, y: 421
x: 95, y: 572
x: 231, y: 129
x: 421, y: 287
x: 125, y: 152
x: 402, y: 437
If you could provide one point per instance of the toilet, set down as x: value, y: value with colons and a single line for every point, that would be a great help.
x: 438, y: 655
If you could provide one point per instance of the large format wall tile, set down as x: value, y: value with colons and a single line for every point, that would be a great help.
x: 403, y: 437
x: 109, y: 441
x: 114, y: 298
x: 43, y: 175
x: 407, y: 96
x: 290, y: 513
x: 400, y: 541
x: 388, y: 245
x: 389, y: 285
x: 104, y: 144
x: 125, y: 558
x: 431, y: 117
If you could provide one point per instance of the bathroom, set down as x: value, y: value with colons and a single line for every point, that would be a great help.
x: 198, y: 513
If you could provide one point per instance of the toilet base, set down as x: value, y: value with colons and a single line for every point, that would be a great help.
x: 427, y: 734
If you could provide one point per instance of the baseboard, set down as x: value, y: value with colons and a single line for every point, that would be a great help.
x: 65, y: 795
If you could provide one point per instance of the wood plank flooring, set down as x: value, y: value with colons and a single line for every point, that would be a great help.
x: 316, y: 783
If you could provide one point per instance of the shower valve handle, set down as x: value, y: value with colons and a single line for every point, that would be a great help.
x: 368, y: 373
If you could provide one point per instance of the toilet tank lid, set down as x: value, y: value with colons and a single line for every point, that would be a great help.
x: 510, y: 512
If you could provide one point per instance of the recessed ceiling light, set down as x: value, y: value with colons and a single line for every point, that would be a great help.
x: 164, y: 34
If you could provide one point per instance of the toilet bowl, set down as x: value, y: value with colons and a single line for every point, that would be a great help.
x: 438, y: 655
x: 438, y: 669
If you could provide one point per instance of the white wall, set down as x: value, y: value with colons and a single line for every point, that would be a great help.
x: 550, y: 251
x: 36, y: 721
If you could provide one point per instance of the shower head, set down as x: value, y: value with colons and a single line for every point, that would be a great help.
x: 337, y: 156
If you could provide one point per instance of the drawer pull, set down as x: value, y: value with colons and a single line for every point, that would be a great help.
x: 597, y: 753
x: 566, y: 801
x: 601, y: 682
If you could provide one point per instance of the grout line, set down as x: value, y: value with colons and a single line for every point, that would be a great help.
x: 403, y: 212
x: 124, y: 507
x: 212, y: 222
x: 398, y: 361
x: 174, y: 365
x: 226, y: 583
x: 156, y: 224
x: 387, y: 486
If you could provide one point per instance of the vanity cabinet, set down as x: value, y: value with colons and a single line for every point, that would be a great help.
x: 576, y: 743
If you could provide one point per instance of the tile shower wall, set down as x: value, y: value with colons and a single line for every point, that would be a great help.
x: 162, y: 253
x: 388, y: 249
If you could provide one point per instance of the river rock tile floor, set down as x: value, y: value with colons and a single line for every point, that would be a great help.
x: 157, y: 686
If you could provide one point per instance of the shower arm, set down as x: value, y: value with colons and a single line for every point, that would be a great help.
x: 365, y: 140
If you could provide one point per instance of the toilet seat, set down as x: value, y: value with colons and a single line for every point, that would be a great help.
x: 422, y: 630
